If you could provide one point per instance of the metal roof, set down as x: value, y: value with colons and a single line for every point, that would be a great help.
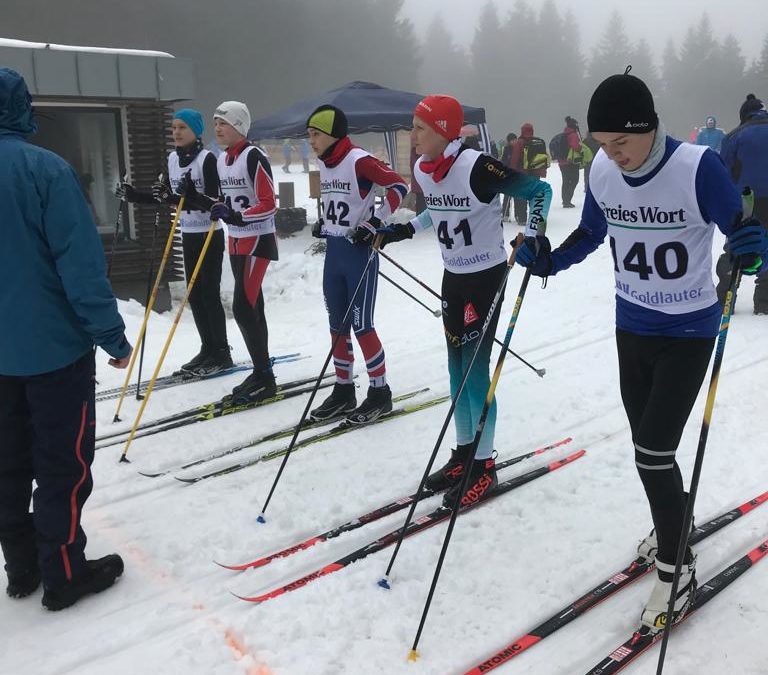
x: 99, y: 72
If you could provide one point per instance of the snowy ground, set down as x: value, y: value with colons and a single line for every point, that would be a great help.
x: 511, y: 563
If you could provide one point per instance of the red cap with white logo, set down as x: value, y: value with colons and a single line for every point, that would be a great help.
x: 444, y: 114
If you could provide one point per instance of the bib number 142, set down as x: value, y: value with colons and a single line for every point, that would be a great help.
x: 670, y: 260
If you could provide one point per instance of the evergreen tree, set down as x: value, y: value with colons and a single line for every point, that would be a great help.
x: 610, y: 56
x: 445, y: 67
x: 489, y: 61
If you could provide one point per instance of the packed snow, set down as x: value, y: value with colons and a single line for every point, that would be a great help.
x: 511, y: 564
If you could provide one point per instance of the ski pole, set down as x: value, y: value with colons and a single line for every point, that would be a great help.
x: 150, y: 270
x: 175, y: 325
x: 539, y: 371
x: 384, y: 581
x: 413, y: 655
x: 116, y: 235
x: 337, y: 337
x: 434, y: 312
x: 747, y: 199
x: 148, y: 309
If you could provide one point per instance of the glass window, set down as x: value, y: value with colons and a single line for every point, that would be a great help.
x: 90, y: 139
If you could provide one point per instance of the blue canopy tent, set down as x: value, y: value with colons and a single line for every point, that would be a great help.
x: 368, y: 107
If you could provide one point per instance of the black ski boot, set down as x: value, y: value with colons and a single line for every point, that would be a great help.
x: 258, y: 386
x: 482, y: 479
x: 100, y: 575
x: 449, y: 474
x: 377, y: 403
x: 216, y: 361
x: 21, y: 566
x: 341, y: 401
x: 195, y: 361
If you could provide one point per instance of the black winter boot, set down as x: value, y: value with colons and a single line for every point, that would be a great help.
x: 100, y: 575
x: 21, y: 566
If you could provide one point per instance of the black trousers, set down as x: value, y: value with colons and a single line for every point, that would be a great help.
x: 570, y: 173
x: 660, y: 378
x: 47, y: 434
x: 248, y: 307
x: 205, y: 299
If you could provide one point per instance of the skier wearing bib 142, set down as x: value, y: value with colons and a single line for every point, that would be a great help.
x: 347, y: 177
x: 658, y: 200
x: 249, y: 210
x: 461, y: 188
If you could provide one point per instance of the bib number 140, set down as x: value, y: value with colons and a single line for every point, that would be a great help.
x: 669, y: 259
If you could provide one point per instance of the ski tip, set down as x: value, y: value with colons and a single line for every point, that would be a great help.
x: 261, y: 519
x: 413, y: 655
x: 384, y: 583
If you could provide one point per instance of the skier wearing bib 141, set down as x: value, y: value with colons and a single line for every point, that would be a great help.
x: 461, y: 188
x: 347, y: 177
x: 658, y: 201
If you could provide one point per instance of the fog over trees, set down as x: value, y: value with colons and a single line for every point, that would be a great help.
x: 528, y: 64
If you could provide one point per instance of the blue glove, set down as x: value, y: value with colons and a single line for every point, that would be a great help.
x: 220, y: 211
x: 750, y: 243
x: 536, y: 254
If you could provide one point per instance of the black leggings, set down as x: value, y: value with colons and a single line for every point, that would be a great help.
x: 660, y: 379
x: 205, y: 299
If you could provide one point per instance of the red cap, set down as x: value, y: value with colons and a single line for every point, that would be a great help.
x: 444, y: 114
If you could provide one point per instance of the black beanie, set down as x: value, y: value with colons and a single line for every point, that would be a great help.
x: 752, y: 104
x: 622, y: 104
x: 330, y: 120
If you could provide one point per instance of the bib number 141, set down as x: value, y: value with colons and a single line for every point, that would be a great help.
x: 669, y: 259
x: 462, y: 228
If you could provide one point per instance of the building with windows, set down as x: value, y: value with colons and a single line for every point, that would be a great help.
x: 108, y: 113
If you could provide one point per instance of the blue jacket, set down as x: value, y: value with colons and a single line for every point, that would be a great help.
x: 55, y: 299
x: 719, y: 202
x: 713, y: 137
x: 745, y: 153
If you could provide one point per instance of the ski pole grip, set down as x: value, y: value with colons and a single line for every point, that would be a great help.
x: 517, y: 242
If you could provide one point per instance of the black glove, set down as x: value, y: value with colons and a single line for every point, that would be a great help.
x: 536, y: 254
x: 366, y: 231
x: 161, y: 191
x: 125, y: 191
x: 395, y: 232
x: 317, y: 229
x: 186, y: 187
x: 220, y: 211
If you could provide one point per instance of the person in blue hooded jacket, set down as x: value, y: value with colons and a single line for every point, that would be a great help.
x: 711, y: 135
x: 745, y: 153
x: 56, y: 304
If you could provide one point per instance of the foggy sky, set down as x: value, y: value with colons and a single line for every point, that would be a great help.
x: 655, y: 20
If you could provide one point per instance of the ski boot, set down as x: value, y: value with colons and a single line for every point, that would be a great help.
x: 482, y: 479
x: 195, y: 361
x: 258, y: 386
x: 451, y: 472
x: 376, y: 403
x: 654, y: 614
x: 341, y: 401
x: 216, y: 361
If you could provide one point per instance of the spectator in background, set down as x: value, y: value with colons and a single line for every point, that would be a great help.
x: 287, y: 155
x: 506, y: 160
x: 745, y: 153
x: 593, y: 146
x: 56, y: 305
x: 569, y: 167
x: 529, y: 156
x: 304, y: 149
x: 711, y: 135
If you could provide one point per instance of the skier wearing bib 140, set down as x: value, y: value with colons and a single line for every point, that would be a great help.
x: 461, y: 188
x: 658, y: 201
x: 347, y: 177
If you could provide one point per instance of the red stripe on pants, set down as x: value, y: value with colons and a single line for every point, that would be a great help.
x: 73, y: 496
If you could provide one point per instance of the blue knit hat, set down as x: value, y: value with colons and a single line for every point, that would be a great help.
x: 192, y: 118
